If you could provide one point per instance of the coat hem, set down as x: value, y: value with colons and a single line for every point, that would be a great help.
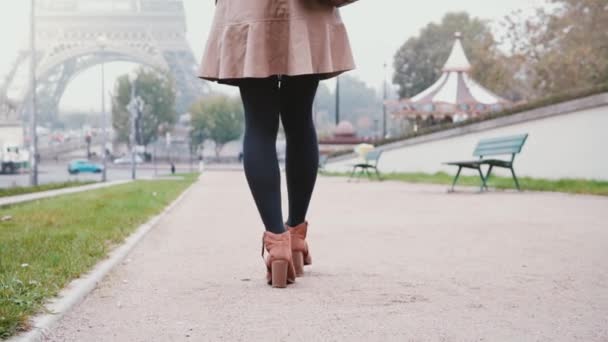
x: 235, y: 80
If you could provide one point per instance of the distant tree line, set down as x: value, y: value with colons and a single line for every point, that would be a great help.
x: 560, y: 48
x: 157, y: 91
x: 360, y: 104
x: 219, y: 118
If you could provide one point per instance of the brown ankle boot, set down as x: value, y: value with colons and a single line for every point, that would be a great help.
x: 299, y: 247
x: 279, y: 262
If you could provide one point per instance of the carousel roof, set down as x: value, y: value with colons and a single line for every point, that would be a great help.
x: 455, y: 91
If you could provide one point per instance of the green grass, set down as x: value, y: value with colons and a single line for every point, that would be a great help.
x: 575, y: 186
x: 21, y: 190
x: 49, y: 242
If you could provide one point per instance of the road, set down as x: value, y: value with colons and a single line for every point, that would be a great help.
x: 51, y: 172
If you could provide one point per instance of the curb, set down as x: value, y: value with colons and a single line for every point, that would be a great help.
x: 79, y: 288
x: 11, y: 200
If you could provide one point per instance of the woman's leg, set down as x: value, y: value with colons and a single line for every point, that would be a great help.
x: 261, y: 101
x: 302, y: 158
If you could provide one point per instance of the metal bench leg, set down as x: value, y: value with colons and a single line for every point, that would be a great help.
x: 357, y: 174
x: 352, y: 173
x: 360, y: 174
x: 456, y: 178
x: 515, y: 179
x: 377, y: 174
x: 489, y: 173
x: 483, y: 180
x: 369, y: 176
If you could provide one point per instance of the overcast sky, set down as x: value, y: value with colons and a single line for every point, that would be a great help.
x: 377, y: 28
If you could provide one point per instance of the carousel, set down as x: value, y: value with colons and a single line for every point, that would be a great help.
x: 454, y: 97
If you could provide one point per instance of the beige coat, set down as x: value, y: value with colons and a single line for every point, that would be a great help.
x: 261, y: 38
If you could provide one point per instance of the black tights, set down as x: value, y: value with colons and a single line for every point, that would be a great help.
x: 265, y: 101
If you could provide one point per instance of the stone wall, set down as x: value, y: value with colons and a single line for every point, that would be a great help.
x: 566, y: 140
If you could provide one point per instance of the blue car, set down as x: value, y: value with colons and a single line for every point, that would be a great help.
x: 83, y: 165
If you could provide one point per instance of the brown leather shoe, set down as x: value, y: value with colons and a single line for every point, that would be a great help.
x: 299, y: 247
x: 279, y: 262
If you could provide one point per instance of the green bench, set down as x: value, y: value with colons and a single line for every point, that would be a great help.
x: 371, y: 162
x: 492, y: 147
x: 323, y: 158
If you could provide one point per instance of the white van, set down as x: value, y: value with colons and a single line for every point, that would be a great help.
x: 12, y: 158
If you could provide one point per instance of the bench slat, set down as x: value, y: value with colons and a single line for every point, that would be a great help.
x: 513, y: 137
x: 373, y: 155
x: 468, y: 163
x: 499, y: 143
x: 502, y: 143
x: 491, y: 149
x: 496, y: 146
x: 497, y: 151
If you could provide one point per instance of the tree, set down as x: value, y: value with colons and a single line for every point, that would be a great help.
x: 157, y: 91
x: 419, y: 62
x: 357, y: 100
x: 198, y: 135
x: 564, y: 46
x: 218, y: 118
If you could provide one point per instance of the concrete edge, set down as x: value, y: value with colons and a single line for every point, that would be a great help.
x: 11, y: 200
x: 77, y: 290
x: 563, y: 108
x: 474, y: 189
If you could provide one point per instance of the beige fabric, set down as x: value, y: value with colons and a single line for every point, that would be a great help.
x: 262, y: 38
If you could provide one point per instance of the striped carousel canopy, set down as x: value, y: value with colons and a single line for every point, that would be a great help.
x: 455, y: 92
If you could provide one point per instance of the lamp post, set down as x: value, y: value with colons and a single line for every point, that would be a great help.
x: 190, y: 146
x: 337, y: 100
x: 159, y: 132
x: 102, y: 43
x: 384, y: 104
x: 34, y: 136
x: 135, y: 107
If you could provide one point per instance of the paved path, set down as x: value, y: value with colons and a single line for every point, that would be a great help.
x: 410, y: 263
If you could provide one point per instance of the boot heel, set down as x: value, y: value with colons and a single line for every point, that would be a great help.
x: 298, y: 263
x: 279, y: 273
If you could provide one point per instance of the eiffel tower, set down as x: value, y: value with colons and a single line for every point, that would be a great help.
x: 147, y: 32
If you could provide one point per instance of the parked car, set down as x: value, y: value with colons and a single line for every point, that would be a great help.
x: 83, y: 165
x: 127, y: 160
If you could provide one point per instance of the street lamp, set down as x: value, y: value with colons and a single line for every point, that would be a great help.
x: 34, y: 136
x: 337, y: 100
x: 159, y: 132
x: 102, y: 42
x: 135, y: 107
x: 384, y: 104
x: 190, y: 145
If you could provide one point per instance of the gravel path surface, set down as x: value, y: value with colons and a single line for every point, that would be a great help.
x: 391, y: 262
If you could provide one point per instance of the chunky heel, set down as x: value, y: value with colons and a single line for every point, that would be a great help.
x: 279, y: 273
x: 299, y: 247
x: 279, y: 264
x: 298, y: 263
